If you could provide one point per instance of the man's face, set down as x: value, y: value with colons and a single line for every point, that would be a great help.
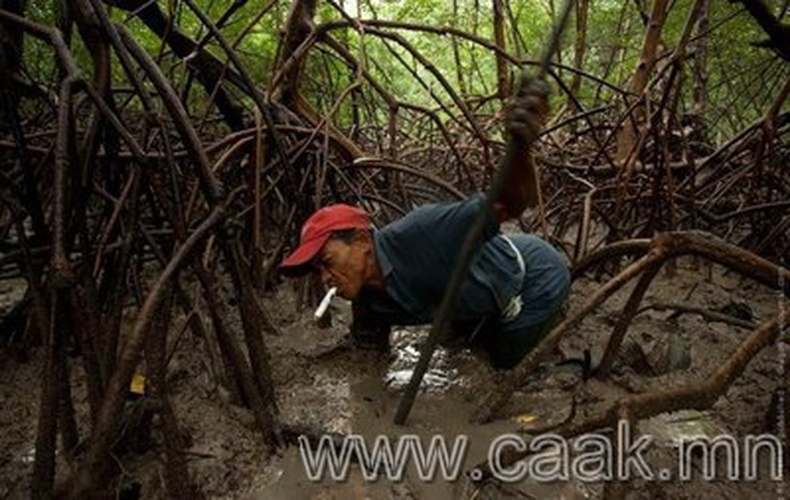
x: 345, y: 265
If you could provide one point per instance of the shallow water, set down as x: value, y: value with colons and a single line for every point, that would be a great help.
x: 406, y: 345
x: 358, y: 393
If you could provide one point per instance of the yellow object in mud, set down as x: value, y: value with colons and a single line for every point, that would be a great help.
x: 525, y: 419
x: 137, y: 387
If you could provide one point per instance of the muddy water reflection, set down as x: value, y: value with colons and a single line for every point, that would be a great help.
x: 357, y: 392
x: 406, y: 344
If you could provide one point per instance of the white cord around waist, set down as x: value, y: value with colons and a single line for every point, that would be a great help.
x: 513, y: 308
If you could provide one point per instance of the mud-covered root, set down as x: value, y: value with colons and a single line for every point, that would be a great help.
x: 697, y: 396
x: 664, y: 247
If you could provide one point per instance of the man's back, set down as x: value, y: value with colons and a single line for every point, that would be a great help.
x: 417, y: 255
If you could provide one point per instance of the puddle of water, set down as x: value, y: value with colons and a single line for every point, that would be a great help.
x: 684, y: 425
x: 442, y: 374
x: 406, y: 344
x: 363, y: 400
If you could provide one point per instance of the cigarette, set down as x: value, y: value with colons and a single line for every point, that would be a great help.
x: 324, y: 305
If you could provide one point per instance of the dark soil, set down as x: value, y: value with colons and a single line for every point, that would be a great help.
x: 325, y: 386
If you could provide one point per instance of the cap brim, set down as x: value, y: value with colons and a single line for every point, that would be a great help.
x: 298, y: 263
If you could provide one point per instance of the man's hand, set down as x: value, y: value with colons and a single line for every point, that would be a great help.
x: 527, y: 111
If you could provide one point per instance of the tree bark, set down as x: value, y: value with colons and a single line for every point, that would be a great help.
x: 647, y: 59
x: 457, y: 55
x: 579, y: 47
x: 298, y: 27
x: 503, y: 84
x: 11, y: 47
x: 699, y: 89
x: 210, y: 70
x: 778, y: 32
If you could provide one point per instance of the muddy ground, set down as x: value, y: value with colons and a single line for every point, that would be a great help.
x: 325, y: 385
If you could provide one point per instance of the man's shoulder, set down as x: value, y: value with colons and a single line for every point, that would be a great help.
x: 443, y: 220
x: 475, y: 199
x: 436, y: 210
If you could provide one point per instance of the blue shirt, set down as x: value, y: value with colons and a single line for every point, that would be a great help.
x: 417, y: 255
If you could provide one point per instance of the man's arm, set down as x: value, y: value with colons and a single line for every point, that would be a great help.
x: 525, y: 116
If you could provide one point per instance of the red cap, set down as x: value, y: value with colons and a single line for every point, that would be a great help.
x: 319, y: 227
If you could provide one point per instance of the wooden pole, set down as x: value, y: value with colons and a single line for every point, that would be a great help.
x: 472, y: 242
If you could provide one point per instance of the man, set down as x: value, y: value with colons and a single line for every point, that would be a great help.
x: 516, y: 285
